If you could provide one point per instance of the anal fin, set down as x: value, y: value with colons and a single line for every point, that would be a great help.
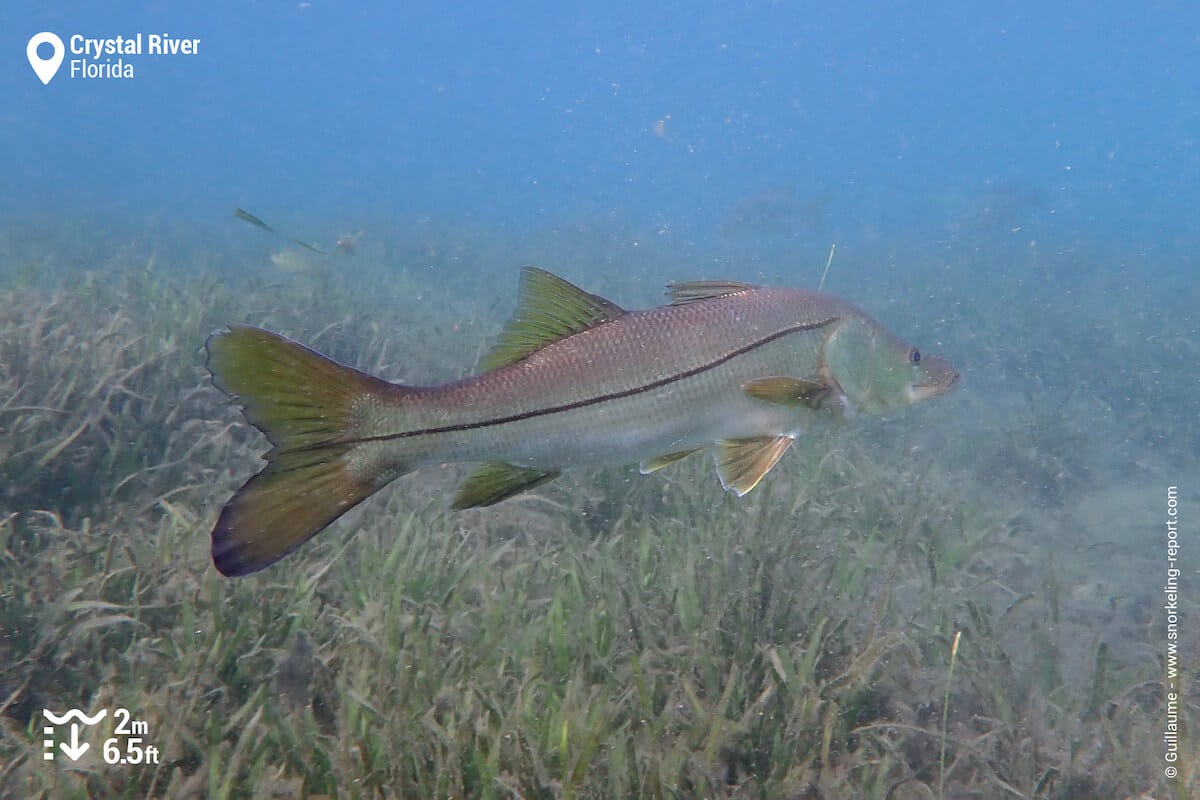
x: 496, y: 481
x: 742, y: 463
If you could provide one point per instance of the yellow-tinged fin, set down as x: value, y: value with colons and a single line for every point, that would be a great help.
x: 657, y: 463
x: 303, y: 402
x: 549, y: 309
x: 695, y: 291
x: 496, y: 481
x: 742, y: 463
x: 282, y: 507
x: 785, y: 391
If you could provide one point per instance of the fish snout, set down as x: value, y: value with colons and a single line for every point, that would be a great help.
x: 938, y: 376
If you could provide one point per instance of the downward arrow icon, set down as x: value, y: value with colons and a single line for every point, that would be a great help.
x: 75, y: 749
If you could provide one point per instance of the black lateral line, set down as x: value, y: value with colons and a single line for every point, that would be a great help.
x: 540, y: 412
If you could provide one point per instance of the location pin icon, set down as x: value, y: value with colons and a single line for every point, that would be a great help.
x: 45, y: 67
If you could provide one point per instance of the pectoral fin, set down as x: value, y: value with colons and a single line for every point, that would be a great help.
x: 742, y: 463
x: 658, y: 462
x: 785, y: 391
x: 496, y: 481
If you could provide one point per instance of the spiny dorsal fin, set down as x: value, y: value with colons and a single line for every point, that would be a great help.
x: 695, y: 291
x: 549, y: 309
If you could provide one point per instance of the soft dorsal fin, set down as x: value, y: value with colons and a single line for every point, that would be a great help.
x: 549, y: 308
x: 695, y: 291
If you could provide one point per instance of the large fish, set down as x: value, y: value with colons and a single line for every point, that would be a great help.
x: 573, y: 381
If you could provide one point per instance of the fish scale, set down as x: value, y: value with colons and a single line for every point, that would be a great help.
x: 614, y: 394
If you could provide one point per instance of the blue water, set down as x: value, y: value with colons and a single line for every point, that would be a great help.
x: 522, y: 115
x: 1014, y: 185
x: 1017, y: 187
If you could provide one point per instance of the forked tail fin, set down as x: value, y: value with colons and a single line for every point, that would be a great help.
x: 303, y: 402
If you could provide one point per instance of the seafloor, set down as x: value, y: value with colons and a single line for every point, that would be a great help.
x: 609, y: 635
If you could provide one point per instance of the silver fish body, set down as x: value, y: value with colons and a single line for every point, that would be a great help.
x: 574, y: 381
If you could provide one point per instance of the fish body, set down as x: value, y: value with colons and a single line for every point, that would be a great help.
x: 300, y: 262
x: 348, y: 242
x: 574, y: 381
x: 636, y: 386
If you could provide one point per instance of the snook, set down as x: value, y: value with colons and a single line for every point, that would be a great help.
x: 574, y: 381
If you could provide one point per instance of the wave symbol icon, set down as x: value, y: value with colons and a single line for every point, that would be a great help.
x: 75, y: 713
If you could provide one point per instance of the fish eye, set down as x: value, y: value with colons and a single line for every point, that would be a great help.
x: 915, y: 356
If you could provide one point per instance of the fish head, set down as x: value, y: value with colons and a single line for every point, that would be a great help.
x: 875, y: 370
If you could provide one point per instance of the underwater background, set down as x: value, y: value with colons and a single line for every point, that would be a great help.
x: 972, y: 598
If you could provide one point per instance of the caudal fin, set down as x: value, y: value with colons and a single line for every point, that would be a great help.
x: 303, y: 402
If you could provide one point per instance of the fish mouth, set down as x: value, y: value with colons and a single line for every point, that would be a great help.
x: 940, y: 377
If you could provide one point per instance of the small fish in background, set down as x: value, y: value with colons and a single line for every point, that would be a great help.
x: 300, y: 262
x: 777, y: 212
x: 294, y: 672
x: 574, y: 381
x: 348, y: 242
x: 994, y: 207
x: 246, y: 216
